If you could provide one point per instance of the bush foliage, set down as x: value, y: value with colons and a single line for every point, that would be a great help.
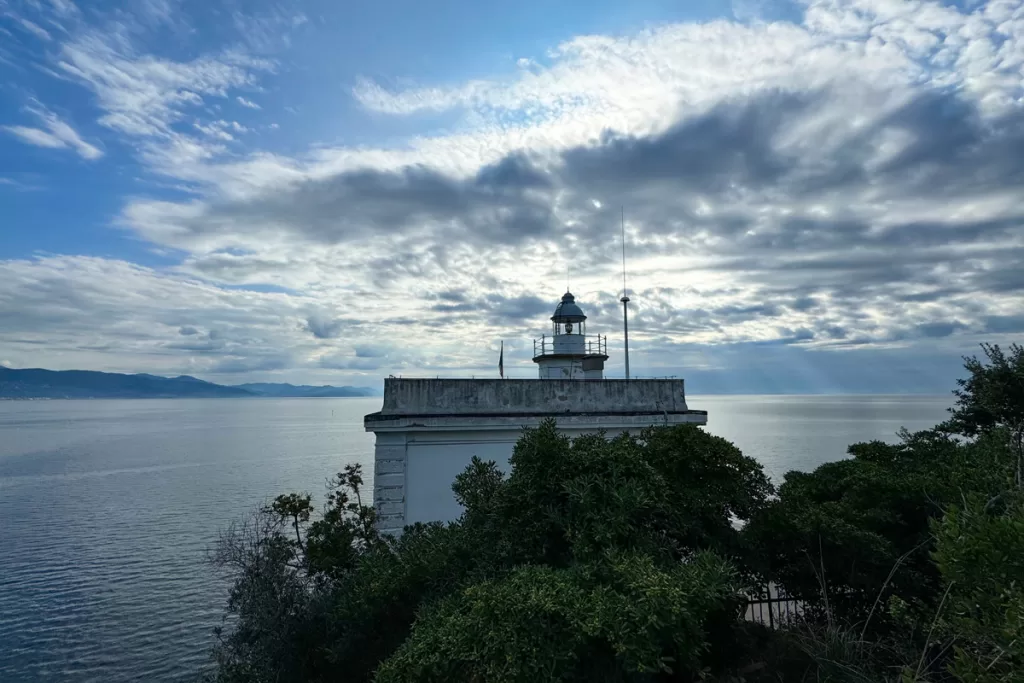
x: 631, y: 559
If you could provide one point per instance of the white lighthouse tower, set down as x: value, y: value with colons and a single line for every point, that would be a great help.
x: 569, y: 353
x: 428, y: 430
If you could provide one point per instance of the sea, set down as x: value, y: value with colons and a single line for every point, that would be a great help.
x: 109, y: 508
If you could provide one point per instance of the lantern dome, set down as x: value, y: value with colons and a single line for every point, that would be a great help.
x: 567, y: 311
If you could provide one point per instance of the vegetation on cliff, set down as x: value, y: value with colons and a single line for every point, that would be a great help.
x: 631, y: 559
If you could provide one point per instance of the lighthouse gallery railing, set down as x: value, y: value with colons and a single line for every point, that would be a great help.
x: 592, y: 346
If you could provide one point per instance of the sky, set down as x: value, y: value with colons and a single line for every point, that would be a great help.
x: 818, y: 196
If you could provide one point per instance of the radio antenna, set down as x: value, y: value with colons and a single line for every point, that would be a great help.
x: 625, y: 297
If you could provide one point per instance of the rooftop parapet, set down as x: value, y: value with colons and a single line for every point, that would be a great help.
x: 515, y: 397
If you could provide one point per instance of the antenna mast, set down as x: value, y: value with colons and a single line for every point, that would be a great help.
x: 625, y: 299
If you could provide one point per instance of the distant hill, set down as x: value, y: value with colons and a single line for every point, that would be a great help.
x: 37, y: 383
x: 293, y: 391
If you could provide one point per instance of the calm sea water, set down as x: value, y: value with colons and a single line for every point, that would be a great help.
x: 107, y: 508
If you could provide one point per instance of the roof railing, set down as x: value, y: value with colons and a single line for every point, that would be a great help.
x: 533, y: 377
x: 592, y: 345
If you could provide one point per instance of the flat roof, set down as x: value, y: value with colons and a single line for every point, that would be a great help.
x: 423, y: 397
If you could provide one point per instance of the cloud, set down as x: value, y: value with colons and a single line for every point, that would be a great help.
x: 323, y: 327
x: 35, y: 29
x: 142, y: 95
x: 502, y: 203
x: 827, y: 250
x: 346, y: 362
x: 370, y: 351
x: 815, y: 232
x: 159, y: 106
x: 58, y: 134
x: 71, y: 312
x: 220, y: 129
x: 841, y: 184
x: 18, y: 184
x: 268, y: 28
x: 64, y: 8
x: 497, y: 308
x: 247, y: 103
x: 248, y: 364
x: 156, y: 11
x: 1003, y: 324
x: 749, y: 10
x: 34, y: 136
x: 642, y: 81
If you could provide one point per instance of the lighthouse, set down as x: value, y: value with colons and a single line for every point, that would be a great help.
x: 428, y: 430
x: 568, y: 353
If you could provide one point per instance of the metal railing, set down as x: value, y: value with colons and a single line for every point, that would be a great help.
x: 530, y: 374
x: 592, y: 345
x: 773, y: 607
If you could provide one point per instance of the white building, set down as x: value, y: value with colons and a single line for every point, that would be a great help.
x: 429, y: 429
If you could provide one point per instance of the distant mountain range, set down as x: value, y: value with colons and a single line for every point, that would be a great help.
x: 36, y: 383
x: 293, y: 391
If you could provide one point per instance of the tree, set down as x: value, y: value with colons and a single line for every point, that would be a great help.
x: 711, y: 483
x: 908, y: 551
x: 833, y: 535
x: 622, y: 619
x: 670, y: 493
x: 858, y: 528
x: 285, y: 569
x: 980, y: 554
x: 271, y: 603
x: 992, y: 398
x: 596, y: 549
x: 626, y: 559
x: 593, y: 560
